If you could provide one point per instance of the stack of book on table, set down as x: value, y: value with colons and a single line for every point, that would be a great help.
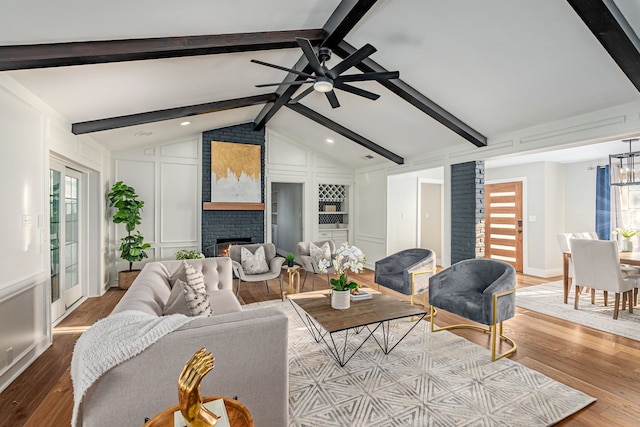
x: 361, y: 295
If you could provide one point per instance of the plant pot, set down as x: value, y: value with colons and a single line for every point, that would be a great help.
x: 340, y: 300
x: 126, y: 278
x: 290, y: 263
x: 627, y: 245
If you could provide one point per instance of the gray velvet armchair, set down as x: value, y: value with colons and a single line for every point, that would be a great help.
x: 273, y: 261
x: 481, y: 290
x: 407, y: 271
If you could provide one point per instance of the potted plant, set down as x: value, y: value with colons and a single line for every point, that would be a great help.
x: 132, y: 246
x: 346, y: 258
x: 186, y: 254
x: 290, y: 258
x: 627, y: 234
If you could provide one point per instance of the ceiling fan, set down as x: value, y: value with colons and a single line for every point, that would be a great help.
x: 325, y: 80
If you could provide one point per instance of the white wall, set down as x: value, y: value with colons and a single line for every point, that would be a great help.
x: 371, y: 214
x: 580, y: 196
x: 613, y: 123
x: 287, y: 161
x: 30, y: 132
x: 167, y: 177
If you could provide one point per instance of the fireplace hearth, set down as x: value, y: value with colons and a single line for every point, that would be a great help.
x: 221, y: 247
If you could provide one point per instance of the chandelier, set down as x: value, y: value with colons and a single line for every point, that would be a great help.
x: 624, y: 169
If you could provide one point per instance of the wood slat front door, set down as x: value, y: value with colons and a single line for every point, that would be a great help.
x: 503, y: 223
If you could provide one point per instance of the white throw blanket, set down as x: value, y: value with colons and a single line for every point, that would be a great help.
x: 113, y: 340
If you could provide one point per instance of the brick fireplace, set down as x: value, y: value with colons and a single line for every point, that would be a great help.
x: 218, y: 225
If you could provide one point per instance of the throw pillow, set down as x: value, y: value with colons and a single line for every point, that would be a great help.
x: 254, y: 263
x: 189, y: 296
x: 176, y: 304
x: 195, y: 278
x: 319, y: 253
x: 181, y: 273
x: 198, y: 302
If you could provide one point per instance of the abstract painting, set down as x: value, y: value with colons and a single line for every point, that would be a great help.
x: 236, y: 172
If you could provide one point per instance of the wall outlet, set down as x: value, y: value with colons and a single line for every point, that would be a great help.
x: 9, y: 355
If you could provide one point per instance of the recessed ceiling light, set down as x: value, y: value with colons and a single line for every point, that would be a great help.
x: 329, y: 140
x: 143, y: 133
x: 185, y: 123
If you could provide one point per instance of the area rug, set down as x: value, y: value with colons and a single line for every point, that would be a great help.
x: 429, y: 379
x: 547, y: 299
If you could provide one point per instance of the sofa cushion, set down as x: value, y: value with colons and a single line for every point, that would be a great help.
x: 254, y: 263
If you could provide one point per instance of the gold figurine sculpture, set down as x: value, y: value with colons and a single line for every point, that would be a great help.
x: 189, y: 396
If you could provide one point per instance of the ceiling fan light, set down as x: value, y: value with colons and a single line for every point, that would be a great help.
x: 323, y: 85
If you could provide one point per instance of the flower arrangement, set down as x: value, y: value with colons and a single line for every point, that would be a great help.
x: 347, y: 258
x: 626, y: 232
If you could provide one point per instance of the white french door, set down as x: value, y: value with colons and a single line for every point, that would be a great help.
x: 65, y: 237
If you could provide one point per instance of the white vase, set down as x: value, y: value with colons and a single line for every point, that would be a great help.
x: 341, y: 300
x: 627, y: 245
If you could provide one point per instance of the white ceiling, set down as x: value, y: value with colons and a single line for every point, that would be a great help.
x: 498, y: 65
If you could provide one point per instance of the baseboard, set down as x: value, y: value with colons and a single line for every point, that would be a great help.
x: 543, y: 273
x: 22, y: 362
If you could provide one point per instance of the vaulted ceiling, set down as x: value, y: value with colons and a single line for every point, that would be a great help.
x: 128, y: 73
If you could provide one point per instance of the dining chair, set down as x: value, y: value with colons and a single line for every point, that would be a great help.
x: 597, y: 266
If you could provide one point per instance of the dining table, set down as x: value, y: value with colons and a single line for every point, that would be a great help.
x: 629, y: 258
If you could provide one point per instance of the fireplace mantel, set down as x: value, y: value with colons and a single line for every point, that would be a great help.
x: 226, y: 206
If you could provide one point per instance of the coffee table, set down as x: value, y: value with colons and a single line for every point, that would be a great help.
x: 365, y: 316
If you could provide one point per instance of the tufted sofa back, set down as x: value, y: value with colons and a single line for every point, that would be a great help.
x: 151, y: 289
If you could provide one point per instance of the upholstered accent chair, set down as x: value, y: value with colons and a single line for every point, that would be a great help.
x: 246, y: 271
x: 310, y: 263
x: 407, y: 271
x: 597, y: 266
x: 481, y: 290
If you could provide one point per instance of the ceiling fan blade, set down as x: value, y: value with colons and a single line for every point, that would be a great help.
x: 306, y: 47
x: 291, y: 83
x: 333, y: 99
x: 356, y: 90
x: 291, y: 70
x: 351, y: 60
x: 302, y: 95
x: 387, y: 75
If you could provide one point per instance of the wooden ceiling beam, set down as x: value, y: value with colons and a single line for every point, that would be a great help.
x: 168, y: 114
x: 342, y: 20
x: 347, y: 133
x: 97, y: 52
x: 612, y: 30
x: 415, y: 98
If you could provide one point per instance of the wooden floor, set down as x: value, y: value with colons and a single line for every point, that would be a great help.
x: 602, y: 365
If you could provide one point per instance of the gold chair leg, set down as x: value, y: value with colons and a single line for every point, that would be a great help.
x: 495, y: 334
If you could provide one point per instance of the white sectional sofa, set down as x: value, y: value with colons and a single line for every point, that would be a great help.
x: 249, y: 346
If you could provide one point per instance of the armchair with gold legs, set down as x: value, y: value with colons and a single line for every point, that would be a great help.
x: 407, y: 272
x: 481, y: 290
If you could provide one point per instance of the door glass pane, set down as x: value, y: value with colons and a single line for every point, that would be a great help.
x: 71, y: 232
x: 54, y: 208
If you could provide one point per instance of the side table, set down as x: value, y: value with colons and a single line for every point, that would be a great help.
x: 238, y: 414
x: 294, y: 273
